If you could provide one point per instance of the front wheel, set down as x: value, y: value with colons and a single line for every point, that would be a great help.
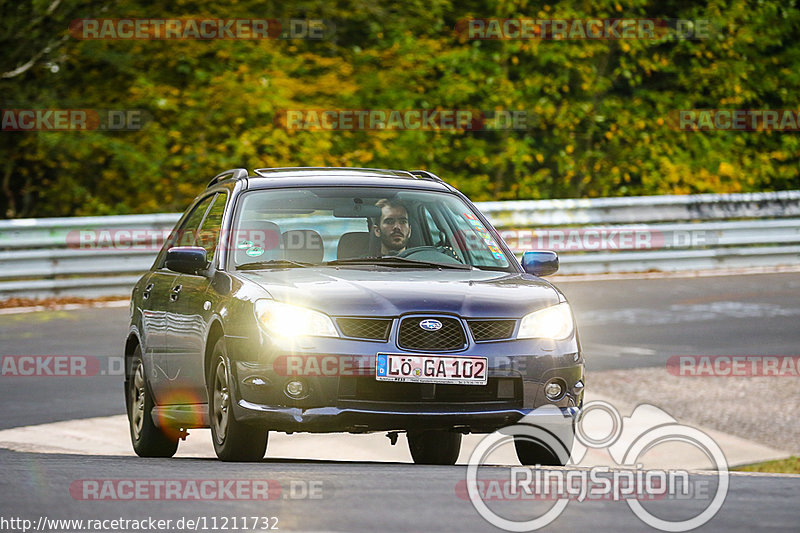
x: 532, y: 451
x: 434, y: 447
x: 233, y: 441
x: 148, y: 439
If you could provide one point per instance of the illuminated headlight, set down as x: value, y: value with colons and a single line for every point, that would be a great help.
x: 293, y: 321
x: 550, y: 323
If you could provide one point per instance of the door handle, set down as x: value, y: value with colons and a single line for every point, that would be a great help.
x: 176, y: 292
x: 146, y: 291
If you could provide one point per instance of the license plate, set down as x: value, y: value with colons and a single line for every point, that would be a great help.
x: 444, y: 369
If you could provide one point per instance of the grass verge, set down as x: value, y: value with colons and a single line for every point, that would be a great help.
x: 790, y: 465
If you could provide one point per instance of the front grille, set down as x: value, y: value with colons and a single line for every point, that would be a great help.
x: 371, y: 390
x: 447, y: 338
x: 365, y: 328
x: 491, y: 330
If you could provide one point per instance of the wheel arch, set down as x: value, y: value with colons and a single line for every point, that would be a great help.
x: 215, y: 332
x: 131, y: 342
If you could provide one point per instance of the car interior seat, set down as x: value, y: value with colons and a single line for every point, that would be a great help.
x: 353, y: 244
x: 304, y: 245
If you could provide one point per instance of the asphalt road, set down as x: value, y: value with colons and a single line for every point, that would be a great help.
x: 355, y: 497
x: 623, y: 324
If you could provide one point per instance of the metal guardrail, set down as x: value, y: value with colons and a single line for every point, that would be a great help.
x: 642, y: 209
x: 43, y: 257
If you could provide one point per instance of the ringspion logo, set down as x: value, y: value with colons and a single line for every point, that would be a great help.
x: 626, y: 440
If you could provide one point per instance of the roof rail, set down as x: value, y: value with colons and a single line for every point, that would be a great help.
x: 263, y: 172
x: 426, y: 175
x: 234, y: 173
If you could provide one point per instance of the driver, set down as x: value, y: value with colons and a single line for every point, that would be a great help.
x: 392, y: 229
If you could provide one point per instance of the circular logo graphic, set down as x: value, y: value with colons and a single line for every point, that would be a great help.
x: 632, y: 444
x: 430, y: 324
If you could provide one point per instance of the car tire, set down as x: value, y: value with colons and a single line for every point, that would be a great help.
x: 434, y: 447
x: 148, y: 439
x: 233, y: 440
x: 532, y: 453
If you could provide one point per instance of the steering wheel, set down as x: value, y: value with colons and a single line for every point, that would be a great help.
x: 436, y: 254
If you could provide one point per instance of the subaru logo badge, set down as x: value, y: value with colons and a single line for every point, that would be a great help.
x: 430, y: 324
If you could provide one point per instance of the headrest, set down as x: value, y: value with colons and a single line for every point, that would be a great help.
x: 304, y: 245
x: 353, y: 244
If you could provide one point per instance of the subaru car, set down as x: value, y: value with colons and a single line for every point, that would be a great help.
x: 346, y: 300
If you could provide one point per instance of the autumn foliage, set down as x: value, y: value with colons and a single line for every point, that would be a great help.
x: 597, y: 111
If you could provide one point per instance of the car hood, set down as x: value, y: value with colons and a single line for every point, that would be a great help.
x: 393, y: 292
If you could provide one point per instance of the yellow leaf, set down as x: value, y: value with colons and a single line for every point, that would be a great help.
x: 725, y: 169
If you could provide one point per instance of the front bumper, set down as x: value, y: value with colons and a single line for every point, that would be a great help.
x: 358, y: 420
x: 518, y: 371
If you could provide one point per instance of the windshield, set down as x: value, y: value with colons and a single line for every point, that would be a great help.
x: 285, y: 228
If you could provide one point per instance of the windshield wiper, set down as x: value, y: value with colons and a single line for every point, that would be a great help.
x: 273, y: 263
x: 392, y: 260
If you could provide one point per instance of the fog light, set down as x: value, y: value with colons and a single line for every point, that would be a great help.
x: 296, y: 389
x: 553, y: 390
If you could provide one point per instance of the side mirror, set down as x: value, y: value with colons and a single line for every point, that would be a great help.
x: 540, y: 262
x: 186, y: 259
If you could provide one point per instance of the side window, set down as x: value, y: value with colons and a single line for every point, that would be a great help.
x: 210, y: 230
x: 437, y: 235
x: 480, y: 243
x: 188, y: 233
x: 185, y: 235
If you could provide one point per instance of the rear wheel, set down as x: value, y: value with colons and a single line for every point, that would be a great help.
x: 233, y: 441
x: 148, y: 439
x: 434, y: 447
